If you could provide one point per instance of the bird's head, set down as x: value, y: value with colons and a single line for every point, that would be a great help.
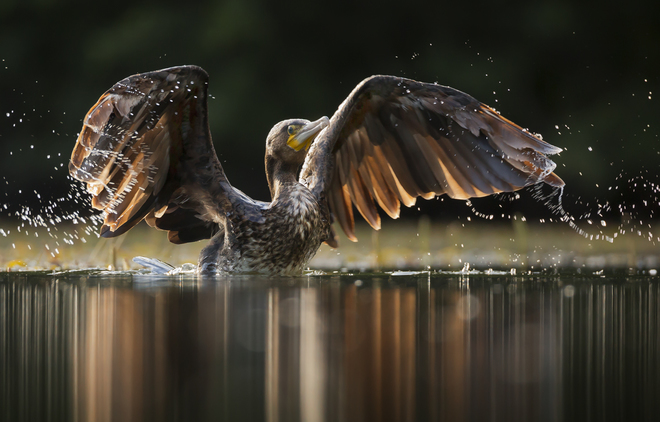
x: 287, y: 144
x: 290, y: 139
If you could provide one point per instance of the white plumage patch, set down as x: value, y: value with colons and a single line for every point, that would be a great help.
x: 302, y: 204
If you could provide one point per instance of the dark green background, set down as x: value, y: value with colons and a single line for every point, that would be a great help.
x: 588, y: 66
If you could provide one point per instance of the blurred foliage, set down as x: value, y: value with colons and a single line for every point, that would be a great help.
x: 410, y: 244
x: 584, y: 74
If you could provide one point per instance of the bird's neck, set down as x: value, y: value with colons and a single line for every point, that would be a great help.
x: 279, y: 175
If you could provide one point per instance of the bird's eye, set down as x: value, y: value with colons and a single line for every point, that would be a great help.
x: 291, y: 129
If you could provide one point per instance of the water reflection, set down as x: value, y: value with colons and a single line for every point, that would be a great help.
x: 329, y: 349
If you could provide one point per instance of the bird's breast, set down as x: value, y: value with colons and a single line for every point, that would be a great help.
x: 293, y: 228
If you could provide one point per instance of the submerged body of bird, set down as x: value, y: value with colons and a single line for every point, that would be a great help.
x: 145, y: 152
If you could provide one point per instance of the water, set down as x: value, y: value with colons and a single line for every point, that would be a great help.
x: 77, y: 346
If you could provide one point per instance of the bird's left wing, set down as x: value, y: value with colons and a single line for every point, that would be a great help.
x: 145, y: 151
x: 394, y: 139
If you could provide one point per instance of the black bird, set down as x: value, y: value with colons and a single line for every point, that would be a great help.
x: 145, y: 152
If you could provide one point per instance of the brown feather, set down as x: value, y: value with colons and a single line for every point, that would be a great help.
x: 382, y: 193
x: 127, y: 145
x: 395, y: 139
x: 390, y: 178
x: 363, y: 200
x: 341, y: 207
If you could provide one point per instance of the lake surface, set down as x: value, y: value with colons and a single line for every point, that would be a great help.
x: 361, y: 347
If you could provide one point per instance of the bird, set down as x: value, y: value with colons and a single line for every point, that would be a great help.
x: 145, y: 153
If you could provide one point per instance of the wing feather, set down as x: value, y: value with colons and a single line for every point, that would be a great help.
x: 145, y: 151
x: 393, y: 184
x: 384, y: 196
x: 393, y: 140
x: 340, y: 202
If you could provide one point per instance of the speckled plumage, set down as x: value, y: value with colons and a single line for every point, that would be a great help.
x: 292, y: 229
x: 145, y: 152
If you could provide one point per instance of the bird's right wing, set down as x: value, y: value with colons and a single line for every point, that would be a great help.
x: 145, y: 151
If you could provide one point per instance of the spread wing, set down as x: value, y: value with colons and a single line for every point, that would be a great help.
x: 394, y: 139
x: 145, y: 151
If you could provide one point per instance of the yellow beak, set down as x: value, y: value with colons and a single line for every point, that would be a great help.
x: 304, y: 137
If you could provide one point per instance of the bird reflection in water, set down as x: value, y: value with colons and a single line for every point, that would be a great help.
x: 326, y: 349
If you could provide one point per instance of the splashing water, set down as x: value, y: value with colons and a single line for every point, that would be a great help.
x: 66, y: 221
x: 37, y: 236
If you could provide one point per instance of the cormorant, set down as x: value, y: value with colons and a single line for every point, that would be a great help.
x: 145, y: 152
